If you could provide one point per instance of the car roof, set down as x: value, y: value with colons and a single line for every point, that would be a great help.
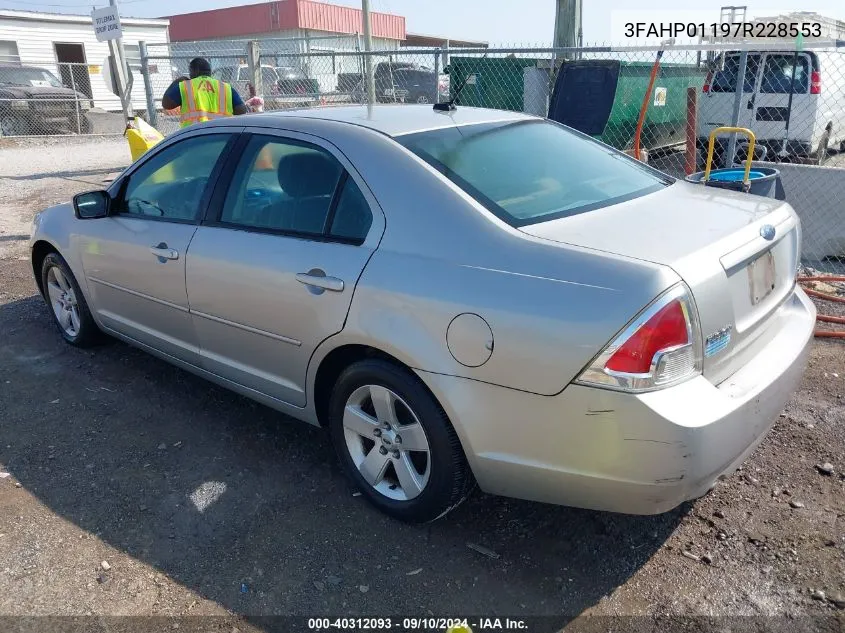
x: 393, y: 120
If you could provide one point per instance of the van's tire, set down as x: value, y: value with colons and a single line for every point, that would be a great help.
x: 418, y: 484
x: 821, y: 151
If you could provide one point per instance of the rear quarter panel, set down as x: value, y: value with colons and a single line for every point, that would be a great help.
x: 551, y: 307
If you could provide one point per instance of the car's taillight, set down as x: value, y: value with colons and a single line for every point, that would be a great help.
x: 707, y: 80
x: 815, y: 83
x: 659, y: 348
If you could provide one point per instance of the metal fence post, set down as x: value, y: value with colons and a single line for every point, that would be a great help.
x: 152, y: 113
x: 75, y: 98
x: 436, y: 76
x: 253, y: 56
x: 740, y: 86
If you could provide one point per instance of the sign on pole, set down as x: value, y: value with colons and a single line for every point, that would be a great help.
x: 106, y: 24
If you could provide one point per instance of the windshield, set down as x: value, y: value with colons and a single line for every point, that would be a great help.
x: 533, y: 171
x: 35, y: 77
x: 288, y: 72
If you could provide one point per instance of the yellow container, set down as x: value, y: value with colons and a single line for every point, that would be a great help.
x: 141, y: 137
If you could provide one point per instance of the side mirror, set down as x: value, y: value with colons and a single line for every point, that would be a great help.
x: 91, y: 205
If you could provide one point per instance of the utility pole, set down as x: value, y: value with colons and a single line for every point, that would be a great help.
x: 568, y: 25
x: 368, y: 58
x: 124, y: 77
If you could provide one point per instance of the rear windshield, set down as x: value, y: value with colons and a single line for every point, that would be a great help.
x: 725, y: 79
x: 533, y: 171
x: 778, y: 74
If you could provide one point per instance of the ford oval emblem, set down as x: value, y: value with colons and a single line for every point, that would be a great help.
x: 767, y: 232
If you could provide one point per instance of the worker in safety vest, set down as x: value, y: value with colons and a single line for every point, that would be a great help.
x: 202, y: 98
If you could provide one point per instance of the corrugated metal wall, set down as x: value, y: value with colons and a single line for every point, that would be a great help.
x: 281, y: 15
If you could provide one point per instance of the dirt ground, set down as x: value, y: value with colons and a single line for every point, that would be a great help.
x: 136, y: 489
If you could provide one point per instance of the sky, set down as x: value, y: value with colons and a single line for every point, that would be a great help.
x: 506, y: 22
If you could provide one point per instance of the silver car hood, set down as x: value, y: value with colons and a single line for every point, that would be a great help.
x: 668, y: 226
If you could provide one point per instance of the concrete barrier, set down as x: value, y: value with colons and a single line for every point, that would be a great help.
x: 818, y: 196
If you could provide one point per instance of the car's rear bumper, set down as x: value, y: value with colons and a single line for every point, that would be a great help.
x: 637, y: 454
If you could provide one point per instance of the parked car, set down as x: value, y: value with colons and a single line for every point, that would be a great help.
x: 295, y: 82
x: 382, y: 74
x: 816, y: 115
x: 467, y: 296
x: 34, y: 101
x: 274, y: 99
x: 407, y: 86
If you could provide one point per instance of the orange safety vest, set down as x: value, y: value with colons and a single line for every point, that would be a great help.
x: 203, y: 99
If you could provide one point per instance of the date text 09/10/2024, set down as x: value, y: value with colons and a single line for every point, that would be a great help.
x: 448, y: 625
x: 777, y: 30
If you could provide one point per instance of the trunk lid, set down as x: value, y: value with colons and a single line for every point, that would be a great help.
x: 714, y: 239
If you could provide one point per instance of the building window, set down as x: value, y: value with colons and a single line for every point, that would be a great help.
x: 133, y: 56
x: 9, y: 53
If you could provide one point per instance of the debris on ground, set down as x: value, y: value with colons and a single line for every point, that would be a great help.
x: 414, y: 572
x: 489, y: 553
x: 796, y: 504
x: 105, y: 565
x: 5, y: 475
x: 825, y: 469
x: 690, y: 555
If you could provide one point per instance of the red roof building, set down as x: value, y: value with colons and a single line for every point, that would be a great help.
x: 278, y: 18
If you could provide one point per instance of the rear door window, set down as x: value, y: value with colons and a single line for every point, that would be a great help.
x: 725, y: 79
x: 778, y: 74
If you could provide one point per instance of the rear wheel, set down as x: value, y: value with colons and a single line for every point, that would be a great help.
x: 396, y: 443
x: 67, y: 304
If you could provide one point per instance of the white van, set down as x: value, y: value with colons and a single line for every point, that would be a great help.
x: 816, y: 115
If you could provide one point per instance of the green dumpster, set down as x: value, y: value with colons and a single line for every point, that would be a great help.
x: 602, y: 98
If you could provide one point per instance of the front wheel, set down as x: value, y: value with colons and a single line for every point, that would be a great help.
x: 67, y: 304
x: 396, y: 443
x: 12, y: 126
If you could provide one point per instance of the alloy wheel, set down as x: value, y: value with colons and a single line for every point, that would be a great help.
x: 387, y: 442
x: 63, y: 301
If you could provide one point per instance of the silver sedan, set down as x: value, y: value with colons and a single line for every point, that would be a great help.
x: 458, y: 297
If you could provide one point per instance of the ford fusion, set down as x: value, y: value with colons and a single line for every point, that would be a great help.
x: 459, y: 297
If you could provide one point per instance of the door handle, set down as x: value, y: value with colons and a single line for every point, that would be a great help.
x: 316, y: 280
x: 163, y: 252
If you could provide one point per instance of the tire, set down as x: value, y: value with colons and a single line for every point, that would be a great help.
x: 821, y: 151
x: 63, y: 295
x: 12, y: 126
x: 441, y: 476
x: 423, y: 99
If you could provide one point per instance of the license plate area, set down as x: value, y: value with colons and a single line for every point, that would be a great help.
x: 761, y: 277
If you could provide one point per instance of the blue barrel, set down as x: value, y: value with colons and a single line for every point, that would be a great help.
x: 763, y: 181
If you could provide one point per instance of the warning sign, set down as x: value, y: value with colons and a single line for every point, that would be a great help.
x: 659, y: 96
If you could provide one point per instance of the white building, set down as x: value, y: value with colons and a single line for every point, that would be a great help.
x: 66, y: 46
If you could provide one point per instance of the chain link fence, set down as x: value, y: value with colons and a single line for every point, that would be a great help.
x: 792, y: 100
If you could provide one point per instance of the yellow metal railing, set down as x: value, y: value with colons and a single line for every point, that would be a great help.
x: 750, y: 157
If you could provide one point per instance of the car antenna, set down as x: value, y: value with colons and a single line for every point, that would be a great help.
x: 449, y: 106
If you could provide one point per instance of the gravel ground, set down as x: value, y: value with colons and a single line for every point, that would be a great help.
x: 135, y: 488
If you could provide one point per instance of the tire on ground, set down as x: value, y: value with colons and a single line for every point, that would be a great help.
x: 450, y: 480
x: 89, y: 334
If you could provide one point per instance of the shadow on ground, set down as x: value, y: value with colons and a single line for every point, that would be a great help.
x: 74, y: 174
x: 222, y: 495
